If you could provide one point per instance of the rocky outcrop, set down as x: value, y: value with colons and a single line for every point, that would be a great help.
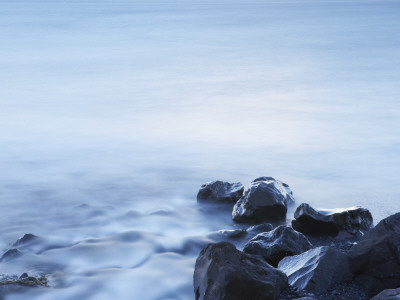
x: 220, y: 191
x: 265, y: 200
x: 316, y: 270
x: 375, y: 260
x: 276, y: 244
x: 223, y: 272
x: 331, y: 221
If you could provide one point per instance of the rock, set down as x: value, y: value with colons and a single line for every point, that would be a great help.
x: 265, y: 200
x: 220, y: 191
x: 223, y: 272
x: 375, y: 259
x: 267, y: 178
x: 10, y: 254
x: 276, y: 244
x: 331, y: 221
x: 391, y: 294
x: 264, y: 227
x: 316, y: 270
x: 25, y: 239
x: 228, y: 234
x: 23, y: 276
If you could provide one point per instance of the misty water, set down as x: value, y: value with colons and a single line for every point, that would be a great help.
x: 113, y: 113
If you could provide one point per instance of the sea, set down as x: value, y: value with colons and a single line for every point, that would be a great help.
x: 114, y: 113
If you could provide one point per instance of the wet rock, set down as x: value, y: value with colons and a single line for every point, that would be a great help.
x: 25, y: 239
x: 10, y: 254
x: 276, y: 244
x: 390, y: 294
x: 268, y: 178
x: 265, y: 200
x: 228, y: 234
x: 264, y: 227
x: 331, y: 221
x: 375, y: 259
x: 23, y: 276
x: 316, y: 270
x: 220, y: 191
x: 223, y: 272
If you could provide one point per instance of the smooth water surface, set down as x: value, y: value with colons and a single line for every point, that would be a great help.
x: 112, y: 114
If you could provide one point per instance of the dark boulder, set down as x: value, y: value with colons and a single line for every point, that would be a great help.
x: 10, y: 254
x: 331, y: 221
x: 276, y: 244
x: 265, y: 200
x: 375, y: 259
x: 316, y: 270
x: 220, y: 191
x: 223, y: 272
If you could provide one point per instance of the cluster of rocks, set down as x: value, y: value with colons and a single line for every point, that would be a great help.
x: 265, y: 199
x: 285, y: 262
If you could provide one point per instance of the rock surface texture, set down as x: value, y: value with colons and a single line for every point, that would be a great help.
x: 316, y: 270
x: 375, y: 260
x: 276, y: 244
x: 391, y: 294
x: 331, y: 221
x: 220, y: 191
x: 265, y: 200
x: 223, y: 272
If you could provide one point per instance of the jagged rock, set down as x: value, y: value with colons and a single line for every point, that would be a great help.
x: 265, y: 200
x: 25, y: 239
x: 391, y: 294
x: 375, y: 260
x: 316, y: 270
x: 23, y: 276
x: 331, y: 221
x: 223, y: 272
x: 276, y: 244
x: 10, y: 254
x: 220, y: 191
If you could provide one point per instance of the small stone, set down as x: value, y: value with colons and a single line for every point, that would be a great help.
x: 10, y: 254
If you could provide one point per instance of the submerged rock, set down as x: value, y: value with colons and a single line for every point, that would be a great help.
x: 331, y: 221
x: 228, y: 234
x: 25, y: 239
x: 10, y: 254
x: 223, y: 272
x: 220, y: 191
x: 264, y: 227
x: 375, y: 260
x: 276, y: 244
x: 316, y: 270
x: 265, y: 200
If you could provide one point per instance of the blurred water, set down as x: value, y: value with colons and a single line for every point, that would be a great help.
x: 112, y: 114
